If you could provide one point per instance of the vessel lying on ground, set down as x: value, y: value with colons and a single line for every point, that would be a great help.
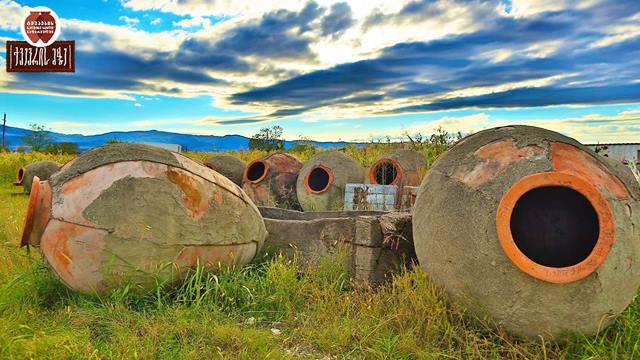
x: 520, y: 224
x: 533, y: 229
x: 131, y: 213
x: 42, y: 169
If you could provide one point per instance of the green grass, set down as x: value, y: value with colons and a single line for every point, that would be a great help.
x: 232, y: 314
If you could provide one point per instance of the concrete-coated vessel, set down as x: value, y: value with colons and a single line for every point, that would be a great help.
x: 131, y: 213
x: 533, y: 229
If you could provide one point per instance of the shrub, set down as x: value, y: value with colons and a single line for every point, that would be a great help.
x: 62, y: 148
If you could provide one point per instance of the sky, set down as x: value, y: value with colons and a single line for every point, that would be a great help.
x: 335, y: 70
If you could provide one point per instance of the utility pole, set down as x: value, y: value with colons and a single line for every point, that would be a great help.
x: 4, y: 125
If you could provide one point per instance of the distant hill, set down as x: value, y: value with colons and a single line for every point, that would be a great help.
x: 15, y: 135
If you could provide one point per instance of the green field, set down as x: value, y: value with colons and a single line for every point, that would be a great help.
x: 270, y: 309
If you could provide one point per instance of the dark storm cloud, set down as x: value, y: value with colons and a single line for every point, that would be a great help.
x: 415, y: 88
x: 260, y: 118
x: 324, y: 85
x: 112, y: 70
x: 375, y: 18
x: 112, y: 63
x: 241, y: 121
x: 279, y: 34
x: 449, y: 62
x: 338, y: 20
x: 419, y: 69
x: 195, y: 53
x: 360, y: 99
x: 204, y: 54
x: 414, y: 9
x: 534, y: 97
x: 504, y: 50
x: 419, y: 10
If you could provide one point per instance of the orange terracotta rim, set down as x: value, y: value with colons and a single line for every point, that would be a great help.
x: 561, y: 275
x: 19, y: 177
x: 307, y: 186
x: 249, y: 167
x: 374, y: 168
x: 37, y: 215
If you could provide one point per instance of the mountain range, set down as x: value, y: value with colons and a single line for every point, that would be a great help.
x: 14, y: 138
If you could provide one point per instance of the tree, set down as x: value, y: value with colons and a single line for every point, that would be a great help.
x: 267, y: 139
x: 38, y: 139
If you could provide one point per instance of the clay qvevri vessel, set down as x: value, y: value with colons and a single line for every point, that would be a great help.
x: 229, y: 166
x: 401, y: 167
x: 323, y: 178
x: 42, y: 169
x: 532, y: 229
x: 271, y: 181
x: 136, y: 214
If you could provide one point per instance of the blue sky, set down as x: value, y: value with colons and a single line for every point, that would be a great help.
x: 336, y: 70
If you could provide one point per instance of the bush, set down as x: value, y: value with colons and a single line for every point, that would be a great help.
x: 62, y: 148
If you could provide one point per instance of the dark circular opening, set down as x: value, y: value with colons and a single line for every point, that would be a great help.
x: 256, y: 171
x: 386, y: 173
x: 318, y: 179
x: 20, y: 175
x: 554, y: 226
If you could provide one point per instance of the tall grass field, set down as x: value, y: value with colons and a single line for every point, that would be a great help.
x: 270, y: 309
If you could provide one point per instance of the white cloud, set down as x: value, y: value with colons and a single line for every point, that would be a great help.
x: 193, y: 22
x: 482, y: 90
x: 206, y: 8
x: 10, y: 14
x: 124, y: 38
x: 5, y: 77
x: 619, y: 32
x: 465, y: 124
x: 523, y: 8
x: 355, y: 44
x: 591, y: 128
x: 129, y: 21
x: 358, y: 42
x: 634, y: 112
